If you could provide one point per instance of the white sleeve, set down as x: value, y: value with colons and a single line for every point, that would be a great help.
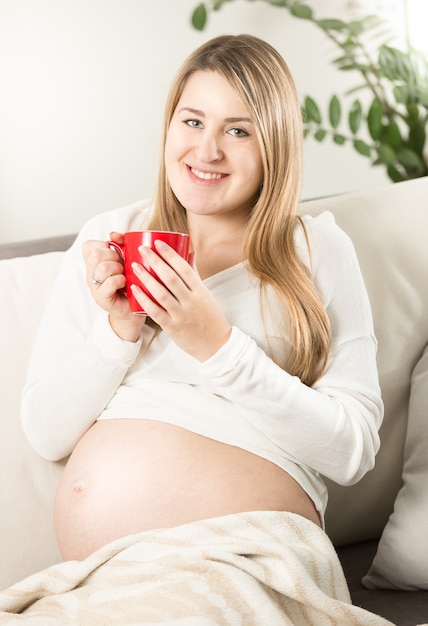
x: 77, y: 361
x: 333, y: 426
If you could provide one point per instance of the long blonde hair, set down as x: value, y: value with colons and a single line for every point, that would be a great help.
x: 263, y: 81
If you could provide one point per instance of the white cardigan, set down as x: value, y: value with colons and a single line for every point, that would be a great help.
x: 81, y: 371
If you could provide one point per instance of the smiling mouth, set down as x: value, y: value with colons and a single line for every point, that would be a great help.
x: 206, y: 175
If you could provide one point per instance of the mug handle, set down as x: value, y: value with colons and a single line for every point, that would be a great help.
x: 116, y: 246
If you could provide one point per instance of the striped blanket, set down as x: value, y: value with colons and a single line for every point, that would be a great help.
x: 247, y: 569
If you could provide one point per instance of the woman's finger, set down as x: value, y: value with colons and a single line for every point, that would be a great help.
x: 192, y: 262
x: 169, y: 267
x: 162, y: 294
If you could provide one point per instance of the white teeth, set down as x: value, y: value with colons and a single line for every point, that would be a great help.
x: 205, y: 175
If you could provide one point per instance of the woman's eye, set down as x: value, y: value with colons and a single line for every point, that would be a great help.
x: 193, y: 123
x: 238, y: 132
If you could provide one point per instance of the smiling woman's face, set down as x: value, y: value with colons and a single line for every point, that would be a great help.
x: 212, y: 154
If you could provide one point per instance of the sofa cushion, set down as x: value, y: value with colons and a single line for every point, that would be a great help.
x: 388, y: 227
x: 26, y: 531
x: 401, y: 558
x: 401, y: 607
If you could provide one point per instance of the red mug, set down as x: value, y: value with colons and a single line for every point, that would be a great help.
x: 130, y: 253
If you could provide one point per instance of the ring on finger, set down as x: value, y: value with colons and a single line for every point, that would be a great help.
x: 96, y: 281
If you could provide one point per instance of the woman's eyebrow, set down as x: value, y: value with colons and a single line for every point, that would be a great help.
x: 229, y: 120
x: 193, y: 111
x: 238, y: 119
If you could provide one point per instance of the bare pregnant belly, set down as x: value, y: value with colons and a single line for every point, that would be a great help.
x: 129, y: 475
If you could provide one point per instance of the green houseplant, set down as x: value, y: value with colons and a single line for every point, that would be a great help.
x: 389, y: 126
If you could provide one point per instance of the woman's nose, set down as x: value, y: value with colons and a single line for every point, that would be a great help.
x: 208, y: 148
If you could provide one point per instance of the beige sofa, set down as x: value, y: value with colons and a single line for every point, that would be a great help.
x: 389, y: 228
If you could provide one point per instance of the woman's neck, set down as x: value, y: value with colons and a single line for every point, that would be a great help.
x: 217, y: 243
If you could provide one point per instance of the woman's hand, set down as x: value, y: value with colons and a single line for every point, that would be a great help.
x: 187, y: 311
x: 106, y: 279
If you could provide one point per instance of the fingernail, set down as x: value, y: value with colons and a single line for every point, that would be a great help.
x: 161, y: 245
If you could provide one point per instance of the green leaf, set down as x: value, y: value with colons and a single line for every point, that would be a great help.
x: 404, y: 94
x: 331, y: 24
x: 394, y: 174
x: 412, y: 113
x: 320, y: 134
x: 371, y: 21
x: 199, y: 17
x: 410, y: 159
x: 422, y: 95
x: 393, y: 135
x: 362, y: 147
x: 374, y: 119
x: 302, y: 11
x: 355, y: 116
x: 339, y: 139
x: 334, y: 111
x: 312, y: 111
x: 342, y: 60
x: 356, y: 27
x: 397, y: 65
x: 387, y: 62
x: 359, y: 67
x: 386, y: 154
x: 417, y: 137
x: 349, y: 46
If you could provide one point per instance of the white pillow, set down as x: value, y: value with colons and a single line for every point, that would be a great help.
x: 401, y: 561
x: 28, y: 483
x: 388, y: 227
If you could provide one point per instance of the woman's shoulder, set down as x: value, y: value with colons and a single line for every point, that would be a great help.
x: 323, y: 236
x: 323, y: 226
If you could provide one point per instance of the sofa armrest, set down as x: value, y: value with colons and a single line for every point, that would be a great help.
x: 35, y: 246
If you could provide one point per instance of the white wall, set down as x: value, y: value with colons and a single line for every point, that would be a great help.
x: 83, y: 84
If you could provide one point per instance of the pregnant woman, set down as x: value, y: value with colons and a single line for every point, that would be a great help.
x: 254, y: 375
